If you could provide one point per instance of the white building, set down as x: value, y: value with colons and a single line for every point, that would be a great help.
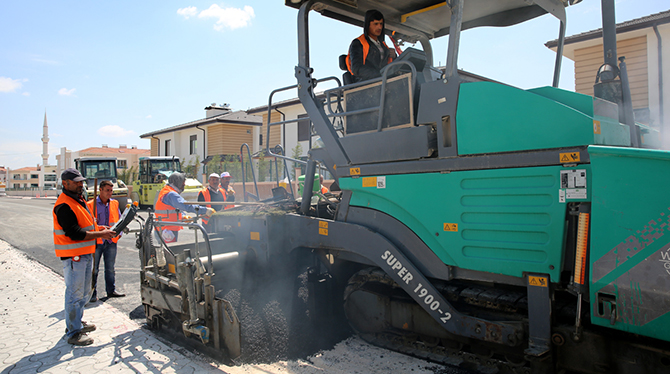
x: 645, y: 43
x: 221, y: 133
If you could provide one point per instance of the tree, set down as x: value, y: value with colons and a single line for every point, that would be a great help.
x: 128, y: 175
x: 191, y: 169
x: 296, y: 152
x: 215, y: 165
x: 263, y: 167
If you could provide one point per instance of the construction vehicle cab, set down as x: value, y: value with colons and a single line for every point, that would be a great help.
x: 534, y: 239
x: 153, y: 174
x: 102, y: 168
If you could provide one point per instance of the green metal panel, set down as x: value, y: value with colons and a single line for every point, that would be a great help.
x: 577, y: 101
x: 496, y: 118
x: 503, y: 221
x: 630, y: 239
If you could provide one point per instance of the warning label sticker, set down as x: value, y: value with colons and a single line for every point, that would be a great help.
x: 453, y: 227
x: 569, y: 157
x: 537, y: 281
x: 596, y: 126
x: 323, y: 228
x: 369, y: 181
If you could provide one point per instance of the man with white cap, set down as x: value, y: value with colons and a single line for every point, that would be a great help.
x: 212, y: 193
x: 225, y: 185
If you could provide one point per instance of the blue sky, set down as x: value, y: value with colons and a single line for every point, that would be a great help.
x: 106, y: 72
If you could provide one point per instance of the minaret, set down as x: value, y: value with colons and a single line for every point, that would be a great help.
x: 45, y: 142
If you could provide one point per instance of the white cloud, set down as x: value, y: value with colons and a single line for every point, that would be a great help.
x: 10, y: 85
x: 188, y: 12
x: 114, y: 131
x: 232, y: 18
x: 148, y: 117
x: 26, y: 94
x: 66, y: 92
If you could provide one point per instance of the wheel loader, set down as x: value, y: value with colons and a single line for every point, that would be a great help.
x: 534, y: 240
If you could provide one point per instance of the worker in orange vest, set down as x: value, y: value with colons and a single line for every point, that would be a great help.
x: 225, y: 185
x: 213, y: 192
x: 108, y: 213
x: 75, y: 233
x: 368, y: 53
x: 169, y: 205
x: 324, y: 189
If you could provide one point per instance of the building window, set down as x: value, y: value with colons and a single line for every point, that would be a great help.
x: 193, y: 144
x: 304, y: 128
x: 167, y: 147
x: 122, y: 164
x: 49, y: 177
x: 34, y: 176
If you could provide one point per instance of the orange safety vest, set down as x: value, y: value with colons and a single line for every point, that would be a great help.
x: 366, y: 49
x: 66, y: 247
x: 208, y: 197
x: 167, y: 212
x: 113, y: 215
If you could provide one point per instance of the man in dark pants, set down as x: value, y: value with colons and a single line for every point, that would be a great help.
x: 108, y: 213
x: 368, y: 53
x: 75, y: 234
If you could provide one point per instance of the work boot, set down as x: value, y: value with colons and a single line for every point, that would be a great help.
x: 85, y: 327
x: 115, y: 294
x: 80, y: 338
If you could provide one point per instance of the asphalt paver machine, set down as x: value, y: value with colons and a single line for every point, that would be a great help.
x: 478, y: 224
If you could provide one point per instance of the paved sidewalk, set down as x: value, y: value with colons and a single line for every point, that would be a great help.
x: 32, y: 327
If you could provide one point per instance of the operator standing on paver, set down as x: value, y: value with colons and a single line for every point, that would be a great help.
x: 108, y: 213
x: 169, y: 204
x: 75, y: 234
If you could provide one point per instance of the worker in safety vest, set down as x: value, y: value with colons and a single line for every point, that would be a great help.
x: 107, y: 214
x: 169, y: 205
x: 368, y: 53
x: 213, y: 192
x: 324, y: 189
x: 225, y: 185
x: 75, y: 233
